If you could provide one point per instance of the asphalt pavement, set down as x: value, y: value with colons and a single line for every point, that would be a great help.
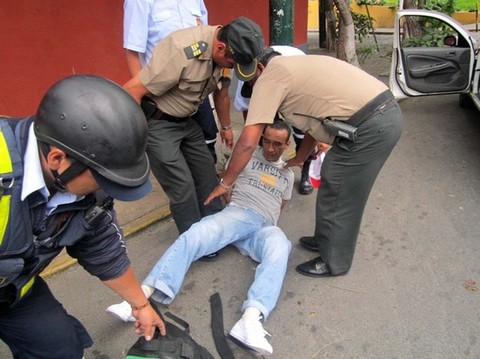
x: 411, y: 292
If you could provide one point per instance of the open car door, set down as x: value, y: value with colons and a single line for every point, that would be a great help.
x: 432, y: 54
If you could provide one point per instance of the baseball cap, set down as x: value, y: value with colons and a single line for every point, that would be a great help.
x: 121, y: 192
x: 245, y: 39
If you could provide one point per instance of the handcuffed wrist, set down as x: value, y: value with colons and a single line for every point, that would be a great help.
x: 224, y: 185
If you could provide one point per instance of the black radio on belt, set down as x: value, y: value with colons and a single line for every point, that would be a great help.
x: 340, y: 129
x: 336, y: 128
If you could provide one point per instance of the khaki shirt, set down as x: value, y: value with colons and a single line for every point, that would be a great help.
x: 179, y: 84
x: 304, y: 88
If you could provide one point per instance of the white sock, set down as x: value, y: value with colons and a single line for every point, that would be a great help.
x: 147, y: 290
x: 251, y: 313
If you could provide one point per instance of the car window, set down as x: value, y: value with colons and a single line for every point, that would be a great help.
x: 424, y: 31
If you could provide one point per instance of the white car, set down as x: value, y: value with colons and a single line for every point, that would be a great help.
x: 433, y: 54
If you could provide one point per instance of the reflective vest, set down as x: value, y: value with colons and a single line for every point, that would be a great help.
x: 14, y: 218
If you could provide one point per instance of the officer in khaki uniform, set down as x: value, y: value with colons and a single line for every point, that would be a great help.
x: 184, y: 69
x: 305, y: 90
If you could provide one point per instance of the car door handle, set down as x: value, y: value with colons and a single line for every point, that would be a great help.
x: 429, y: 69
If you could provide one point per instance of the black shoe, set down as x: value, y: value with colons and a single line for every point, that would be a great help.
x: 314, y: 268
x: 305, y: 187
x: 309, y: 243
x: 209, y: 257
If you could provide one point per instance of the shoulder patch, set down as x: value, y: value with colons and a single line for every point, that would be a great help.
x: 195, y: 49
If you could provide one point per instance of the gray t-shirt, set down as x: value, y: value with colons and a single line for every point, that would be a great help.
x: 263, y: 185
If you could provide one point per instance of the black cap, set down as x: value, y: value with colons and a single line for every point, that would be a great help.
x: 245, y: 39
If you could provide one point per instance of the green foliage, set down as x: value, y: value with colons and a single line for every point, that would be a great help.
x: 364, y: 51
x: 390, y: 3
x: 361, y: 24
x: 362, y: 29
x: 371, y: 2
x: 443, y: 6
x: 458, y: 5
x: 466, y: 5
x: 434, y: 35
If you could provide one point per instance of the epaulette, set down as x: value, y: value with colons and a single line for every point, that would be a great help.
x: 195, y: 49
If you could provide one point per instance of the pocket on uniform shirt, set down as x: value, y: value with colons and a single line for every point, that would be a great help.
x: 193, y: 86
x: 160, y: 16
x: 196, y: 13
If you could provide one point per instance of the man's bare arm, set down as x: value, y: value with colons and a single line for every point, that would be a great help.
x: 135, y: 88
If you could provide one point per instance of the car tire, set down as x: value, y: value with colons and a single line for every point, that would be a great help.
x: 465, y: 101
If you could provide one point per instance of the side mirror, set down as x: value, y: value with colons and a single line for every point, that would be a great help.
x: 450, y: 40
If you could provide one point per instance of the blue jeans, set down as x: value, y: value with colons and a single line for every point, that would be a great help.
x: 247, y: 230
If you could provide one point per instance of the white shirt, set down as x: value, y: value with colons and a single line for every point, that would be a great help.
x: 147, y: 22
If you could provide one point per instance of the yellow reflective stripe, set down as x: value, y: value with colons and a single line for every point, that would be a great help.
x: 5, y: 167
x: 27, y: 287
x: 5, y: 160
x: 4, y: 215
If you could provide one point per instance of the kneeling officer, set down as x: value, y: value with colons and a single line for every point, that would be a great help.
x: 58, y: 172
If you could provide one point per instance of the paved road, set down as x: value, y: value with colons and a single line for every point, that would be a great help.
x: 405, y: 295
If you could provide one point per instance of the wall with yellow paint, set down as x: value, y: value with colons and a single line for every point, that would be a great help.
x: 312, y: 15
x: 382, y: 16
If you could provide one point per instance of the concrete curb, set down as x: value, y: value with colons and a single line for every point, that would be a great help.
x: 64, y: 261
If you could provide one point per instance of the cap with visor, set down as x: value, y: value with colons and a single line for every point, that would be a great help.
x: 245, y: 40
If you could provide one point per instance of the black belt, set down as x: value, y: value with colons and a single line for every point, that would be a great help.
x: 159, y: 115
x: 152, y: 112
x: 377, y: 103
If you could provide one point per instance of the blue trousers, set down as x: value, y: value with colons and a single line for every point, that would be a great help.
x: 39, y: 327
x: 249, y: 232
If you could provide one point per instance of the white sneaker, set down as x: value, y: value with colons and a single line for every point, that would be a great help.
x: 122, y: 311
x: 251, y: 333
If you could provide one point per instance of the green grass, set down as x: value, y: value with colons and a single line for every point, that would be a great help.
x: 460, y: 5
x: 465, y: 5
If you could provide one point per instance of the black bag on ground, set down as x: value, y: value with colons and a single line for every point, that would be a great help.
x: 177, y: 344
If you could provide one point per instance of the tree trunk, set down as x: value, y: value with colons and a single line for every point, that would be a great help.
x: 346, y: 34
x: 409, y: 4
x: 411, y: 27
x: 331, y: 25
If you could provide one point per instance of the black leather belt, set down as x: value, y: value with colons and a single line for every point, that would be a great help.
x: 377, y: 103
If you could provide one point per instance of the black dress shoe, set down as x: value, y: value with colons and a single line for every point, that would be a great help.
x: 314, y: 268
x: 305, y: 187
x: 209, y: 257
x: 309, y: 242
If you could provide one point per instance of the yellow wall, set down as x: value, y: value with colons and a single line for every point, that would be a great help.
x: 383, y: 17
x: 312, y: 15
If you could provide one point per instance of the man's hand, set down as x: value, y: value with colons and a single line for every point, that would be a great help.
x: 217, y: 192
x: 146, y: 322
x: 292, y: 162
x: 227, y: 137
x: 129, y: 289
